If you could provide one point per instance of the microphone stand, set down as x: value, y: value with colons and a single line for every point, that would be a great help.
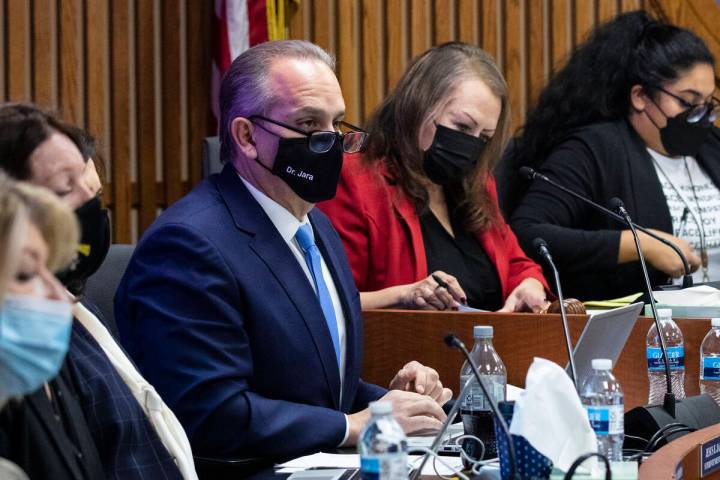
x: 453, y: 341
x: 669, y: 400
x: 541, y: 247
x: 531, y: 174
x: 439, y: 437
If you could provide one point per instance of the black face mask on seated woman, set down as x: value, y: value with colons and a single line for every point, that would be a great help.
x: 93, y: 247
x: 452, y: 155
x: 681, y: 137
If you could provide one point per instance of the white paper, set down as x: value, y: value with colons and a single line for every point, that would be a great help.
x: 465, y: 308
x: 700, y: 296
x: 551, y: 417
x: 353, y: 461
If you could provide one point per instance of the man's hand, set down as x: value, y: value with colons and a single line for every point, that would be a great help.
x: 415, y: 413
x: 416, y: 377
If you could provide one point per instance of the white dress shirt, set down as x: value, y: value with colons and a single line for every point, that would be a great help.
x: 287, y: 225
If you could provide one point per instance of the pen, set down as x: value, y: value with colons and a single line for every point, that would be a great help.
x: 440, y: 281
x: 683, y: 219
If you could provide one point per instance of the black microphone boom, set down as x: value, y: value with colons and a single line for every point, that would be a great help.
x: 453, y: 341
x: 531, y: 174
x: 669, y: 400
x: 541, y: 247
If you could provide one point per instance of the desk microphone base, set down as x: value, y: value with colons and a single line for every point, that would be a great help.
x: 698, y: 412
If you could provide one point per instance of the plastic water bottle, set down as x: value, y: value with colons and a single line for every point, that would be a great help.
x: 383, y: 446
x: 602, y: 397
x: 710, y: 362
x: 676, y: 355
x: 475, y: 410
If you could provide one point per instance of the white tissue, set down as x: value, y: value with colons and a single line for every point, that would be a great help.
x: 551, y: 418
x: 700, y: 296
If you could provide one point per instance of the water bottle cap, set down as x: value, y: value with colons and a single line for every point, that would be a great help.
x: 602, y: 364
x: 664, y: 313
x: 482, y: 331
x: 380, y: 407
x: 715, y: 322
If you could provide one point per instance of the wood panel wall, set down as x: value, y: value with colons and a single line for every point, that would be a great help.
x: 374, y: 40
x: 135, y: 73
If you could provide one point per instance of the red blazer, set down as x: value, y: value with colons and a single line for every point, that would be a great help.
x: 383, y: 240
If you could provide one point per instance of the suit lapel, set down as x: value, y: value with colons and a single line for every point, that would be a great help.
x: 274, y: 252
x: 405, y: 212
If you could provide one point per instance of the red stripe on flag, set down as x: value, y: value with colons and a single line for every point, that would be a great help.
x: 257, y: 16
x: 221, y: 40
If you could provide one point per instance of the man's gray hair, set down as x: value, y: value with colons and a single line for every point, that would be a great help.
x: 245, y: 87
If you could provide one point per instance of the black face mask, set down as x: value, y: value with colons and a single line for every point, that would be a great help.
x: 452, y: 155
x: 93, y: 248
x: 682, y: 138
x: 312, y: 176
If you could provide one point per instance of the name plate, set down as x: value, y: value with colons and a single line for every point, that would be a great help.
x: 710, y: 457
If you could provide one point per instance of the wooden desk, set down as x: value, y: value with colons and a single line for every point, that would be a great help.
x: 394, y: 337
x: 683, y: 452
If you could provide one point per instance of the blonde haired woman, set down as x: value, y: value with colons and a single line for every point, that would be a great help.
x: 37, y: 235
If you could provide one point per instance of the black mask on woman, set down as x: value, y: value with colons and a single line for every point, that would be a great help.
x: 312, y: 176
x: 93, y: 247
x: 680, y: 138
x: 452, y: 155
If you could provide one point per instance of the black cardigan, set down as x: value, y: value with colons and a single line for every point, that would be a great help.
x: 599, y: 161
x: 43, y: 446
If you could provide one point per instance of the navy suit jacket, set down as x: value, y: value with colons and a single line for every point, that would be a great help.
x: 219, y: 316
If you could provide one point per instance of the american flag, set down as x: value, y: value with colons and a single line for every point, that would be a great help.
x: 240, y: 24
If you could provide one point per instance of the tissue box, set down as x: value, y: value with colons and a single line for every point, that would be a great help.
x: 531, y: 464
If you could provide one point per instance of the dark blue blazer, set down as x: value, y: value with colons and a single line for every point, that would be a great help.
x: 220, y: 317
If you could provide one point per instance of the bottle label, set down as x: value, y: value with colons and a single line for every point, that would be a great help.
x: 475, y: 399
x: 676, y: 356
x: 384, y: 467
x: 609, y: 420
x: 710, y: 368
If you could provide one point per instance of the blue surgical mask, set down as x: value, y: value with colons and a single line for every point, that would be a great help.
x: 34, y: 338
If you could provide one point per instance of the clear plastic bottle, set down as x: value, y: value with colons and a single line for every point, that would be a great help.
x: 383, y: 446
x: 676, y: 352
x: 710, y: 362
x: 475, y: 410
x: 602, y: 397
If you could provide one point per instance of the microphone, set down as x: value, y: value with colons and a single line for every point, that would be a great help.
x: 531, y: 174
x: 541, y: 247
x: 448, y: 421
x: 669, y: 400
x: 451, y: 340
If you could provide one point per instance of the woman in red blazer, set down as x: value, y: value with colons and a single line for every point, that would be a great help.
x: 422, y: 198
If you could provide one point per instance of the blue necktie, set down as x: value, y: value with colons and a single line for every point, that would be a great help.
x: 305, y: 239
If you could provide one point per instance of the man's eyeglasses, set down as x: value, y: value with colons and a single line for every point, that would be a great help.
x: 321, y: 141
x: 711, y: 108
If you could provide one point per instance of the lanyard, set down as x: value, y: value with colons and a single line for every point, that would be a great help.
x: 697, y: 216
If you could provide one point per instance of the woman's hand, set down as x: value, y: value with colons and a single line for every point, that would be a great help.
x: 657, y: 254
x: 529, y: 295
x: 664, y: 258
x: 428, y: 294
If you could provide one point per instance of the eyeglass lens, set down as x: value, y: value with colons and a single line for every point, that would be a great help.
x: 322, y: 142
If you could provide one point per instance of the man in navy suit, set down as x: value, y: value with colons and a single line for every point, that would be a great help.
x: 239, y: 304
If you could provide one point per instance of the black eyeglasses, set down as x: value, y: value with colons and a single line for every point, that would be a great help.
x: 321, y: 141
x: 711, y: 108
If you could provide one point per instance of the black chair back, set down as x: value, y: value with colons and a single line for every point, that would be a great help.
x: 211, y: 156
x: 101, y: 286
